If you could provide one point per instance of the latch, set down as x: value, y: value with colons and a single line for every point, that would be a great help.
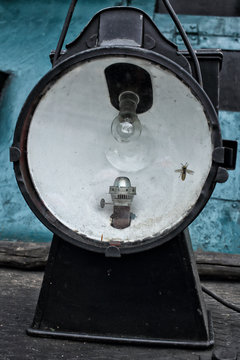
x: 230, y: 157
x: 226, y: 157
x: 192, y: 32
x: 15, y: 153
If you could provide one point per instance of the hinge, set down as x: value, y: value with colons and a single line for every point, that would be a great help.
x: 113, y: 251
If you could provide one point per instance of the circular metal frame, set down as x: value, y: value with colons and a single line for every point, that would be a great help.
x: 22, y: 171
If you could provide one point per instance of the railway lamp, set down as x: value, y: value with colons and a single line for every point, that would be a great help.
x: 120, y: 114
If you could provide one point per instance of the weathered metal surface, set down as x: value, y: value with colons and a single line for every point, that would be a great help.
x: 209, y: 32
x: 230, y: 80
x: 212, y: 32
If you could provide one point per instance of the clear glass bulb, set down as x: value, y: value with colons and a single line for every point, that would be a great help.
x: 126, y: 126
x: 131, y: 152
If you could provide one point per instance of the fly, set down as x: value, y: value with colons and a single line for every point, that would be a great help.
x: 184, y: 171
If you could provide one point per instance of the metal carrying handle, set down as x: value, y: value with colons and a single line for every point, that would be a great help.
x: 64, y: 30
x: 185, y: 40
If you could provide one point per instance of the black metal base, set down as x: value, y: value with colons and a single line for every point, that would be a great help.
x: 152, y: 297
x: 126, y: 340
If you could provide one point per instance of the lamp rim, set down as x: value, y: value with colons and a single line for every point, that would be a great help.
x: 21, y: 165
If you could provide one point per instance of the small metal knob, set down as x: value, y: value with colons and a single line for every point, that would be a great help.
x: 102, y: 203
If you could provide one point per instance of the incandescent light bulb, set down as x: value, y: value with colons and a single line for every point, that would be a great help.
x: 126, y: 126
x: 127, y: 150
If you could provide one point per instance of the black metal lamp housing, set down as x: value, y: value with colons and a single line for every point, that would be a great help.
x: 116, y: 150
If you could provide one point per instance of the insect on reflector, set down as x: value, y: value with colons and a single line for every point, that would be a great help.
x: 184, y: 171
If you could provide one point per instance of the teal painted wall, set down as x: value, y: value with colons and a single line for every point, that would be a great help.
x: 29, y: 30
